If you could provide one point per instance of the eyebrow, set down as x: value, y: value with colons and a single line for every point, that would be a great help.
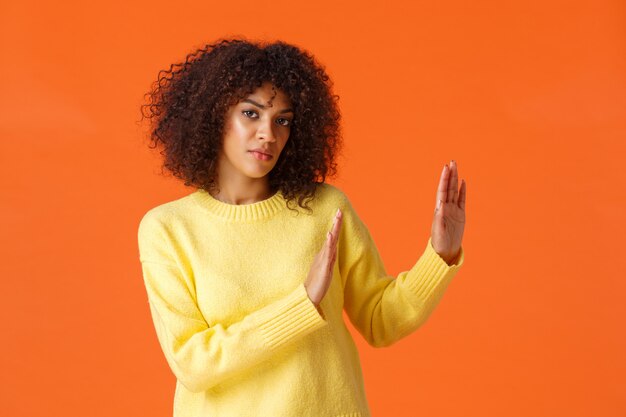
x: 289, y: 110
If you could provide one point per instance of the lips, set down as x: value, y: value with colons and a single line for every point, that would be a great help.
x: 259, y: 150
x: 261, y: 156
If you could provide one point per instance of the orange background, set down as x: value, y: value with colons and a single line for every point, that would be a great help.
x: 528, y: 97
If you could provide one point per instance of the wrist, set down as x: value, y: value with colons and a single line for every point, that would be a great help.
x: 452, y: 260
x: 320, y: 311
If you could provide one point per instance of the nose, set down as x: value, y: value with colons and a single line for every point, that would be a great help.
x: 265, y: 132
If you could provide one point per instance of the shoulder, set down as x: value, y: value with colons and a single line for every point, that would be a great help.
x: 331, y: 198
x: 332, y: 195
x: 157, y: 227
x: 159, y: 217
x: 336, y: 197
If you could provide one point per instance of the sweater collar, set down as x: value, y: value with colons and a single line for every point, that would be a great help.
x: 242, y: 212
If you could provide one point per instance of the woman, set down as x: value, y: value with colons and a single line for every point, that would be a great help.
x: 246, y: 292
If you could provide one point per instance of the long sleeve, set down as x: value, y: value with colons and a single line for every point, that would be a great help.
x: 199, y: 355
x: 383, y: 308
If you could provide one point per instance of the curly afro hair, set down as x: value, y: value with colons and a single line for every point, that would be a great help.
x: 188, y: 103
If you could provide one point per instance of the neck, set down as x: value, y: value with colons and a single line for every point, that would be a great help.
x: 243, y: 193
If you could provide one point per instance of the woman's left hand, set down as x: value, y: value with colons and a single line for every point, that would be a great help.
x: 449, y: 218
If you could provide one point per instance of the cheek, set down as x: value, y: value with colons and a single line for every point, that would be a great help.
x: 235, y: 136
x: 239, y: 128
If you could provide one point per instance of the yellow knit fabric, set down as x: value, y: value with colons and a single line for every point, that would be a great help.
x: 225, y: 287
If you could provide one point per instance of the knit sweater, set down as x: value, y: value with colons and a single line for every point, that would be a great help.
x: 225, y: 288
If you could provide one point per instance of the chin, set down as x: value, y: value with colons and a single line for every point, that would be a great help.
x: 258, y: 173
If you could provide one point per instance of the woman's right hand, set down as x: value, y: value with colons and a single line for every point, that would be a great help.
x: 321, y: 272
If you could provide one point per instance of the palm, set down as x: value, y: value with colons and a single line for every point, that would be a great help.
x: 449, y: 218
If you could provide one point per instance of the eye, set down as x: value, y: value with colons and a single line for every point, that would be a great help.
x: 248, y: 111
x: 288, y: 122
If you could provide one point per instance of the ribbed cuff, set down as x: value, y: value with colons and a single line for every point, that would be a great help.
x: 430, y: 270
x: 290, y: 317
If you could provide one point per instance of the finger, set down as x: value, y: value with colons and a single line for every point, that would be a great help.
x: 332, y: 227
x: 329, y: 241
x: 439, y: 210
x: 337, y: 226
x: 453, y: 183
x: 330, y: 267
x: 331, y: 261
x: 330, y: 257
x: 462, y: 195
x: 442, y: 189
x: 333, y: 243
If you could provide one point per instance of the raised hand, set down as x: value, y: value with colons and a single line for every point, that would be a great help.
x: 321, y: 272
x: 449, y: 218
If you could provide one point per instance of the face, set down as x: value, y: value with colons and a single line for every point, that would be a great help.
x: 260, y: 121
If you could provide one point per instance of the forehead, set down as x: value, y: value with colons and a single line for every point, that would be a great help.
x: 268, y: 93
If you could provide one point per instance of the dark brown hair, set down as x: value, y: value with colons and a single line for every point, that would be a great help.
x: 187, y: 105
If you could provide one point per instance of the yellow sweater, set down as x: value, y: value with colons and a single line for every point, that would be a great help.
x: 225, y: 287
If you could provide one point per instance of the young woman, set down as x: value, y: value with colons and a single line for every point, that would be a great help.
x: 246, y: 288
